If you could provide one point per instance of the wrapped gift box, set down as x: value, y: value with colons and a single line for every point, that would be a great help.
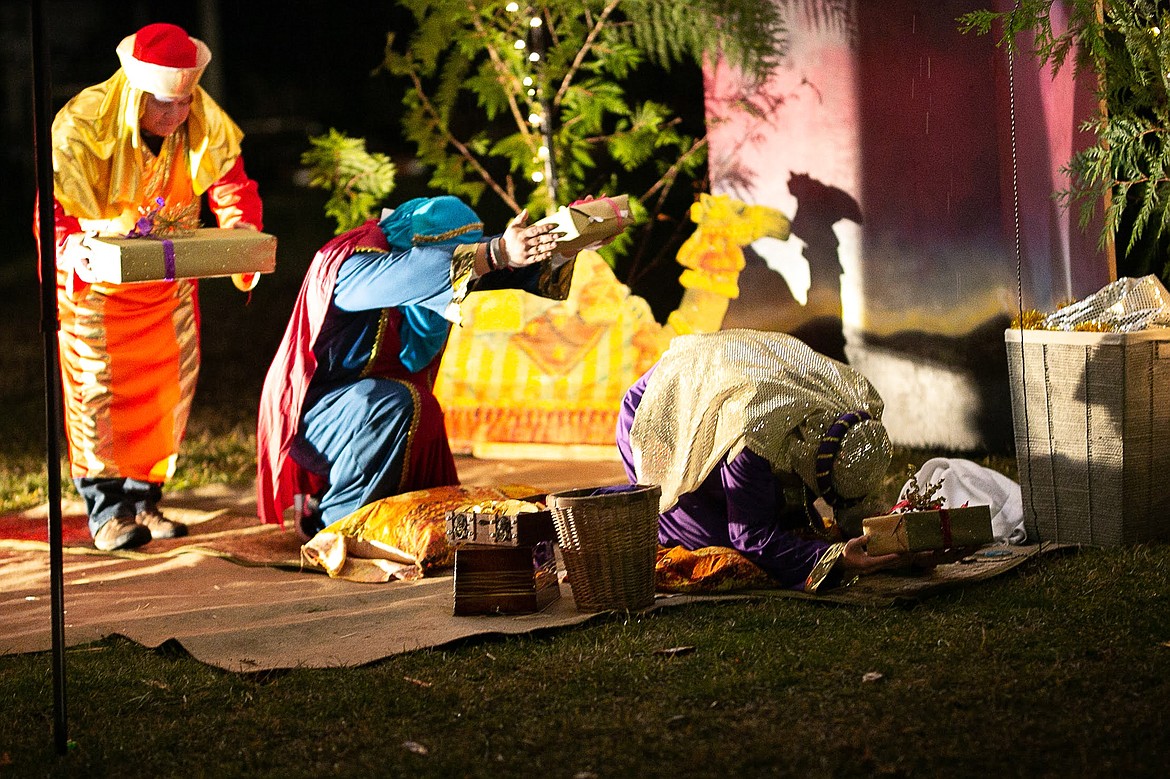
x: 589, y: 224
x: 1091, y: 413
x: 920, y: 531
x: 505, y: 579
x: 207, y: 251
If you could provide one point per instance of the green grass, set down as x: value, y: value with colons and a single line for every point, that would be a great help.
x: 1060, y: 668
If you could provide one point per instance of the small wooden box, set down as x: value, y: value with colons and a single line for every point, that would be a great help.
x: 523, y: 529
x: 505, y: 579
x: 920, y: 531
x: 205, y: 252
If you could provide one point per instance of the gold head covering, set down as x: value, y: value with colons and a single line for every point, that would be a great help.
x: 99, y: 159
x: 713, y: 394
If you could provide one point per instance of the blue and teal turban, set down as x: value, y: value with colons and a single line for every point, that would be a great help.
x: 428, y: 221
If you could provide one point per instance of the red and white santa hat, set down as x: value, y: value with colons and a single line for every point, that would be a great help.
x: 163, y: 60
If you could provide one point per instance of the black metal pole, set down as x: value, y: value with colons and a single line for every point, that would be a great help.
x: 50, y: 324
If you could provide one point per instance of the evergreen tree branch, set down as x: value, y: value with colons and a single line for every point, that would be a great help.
x: 584, y: 51
x: 506, y: 77
x: 666, y: 180
x: 464, y: 152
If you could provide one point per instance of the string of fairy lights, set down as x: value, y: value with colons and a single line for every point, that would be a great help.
x: 540, y: 115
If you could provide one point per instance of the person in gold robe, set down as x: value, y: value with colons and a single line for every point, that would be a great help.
x: 139, y: 150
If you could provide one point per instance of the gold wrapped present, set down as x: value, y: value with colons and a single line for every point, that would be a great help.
x: 207, y: 251
x: 920, y: 531
x: 589, y: 224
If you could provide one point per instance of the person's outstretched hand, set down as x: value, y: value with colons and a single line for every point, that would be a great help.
x: 525, y: 244
x: 855, y: 559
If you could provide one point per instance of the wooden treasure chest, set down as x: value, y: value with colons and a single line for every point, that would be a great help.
x: 505, y: 579
x: 523, y: 522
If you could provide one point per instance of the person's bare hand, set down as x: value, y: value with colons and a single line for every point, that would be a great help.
x: 525, y: 244
x: 855, y: 559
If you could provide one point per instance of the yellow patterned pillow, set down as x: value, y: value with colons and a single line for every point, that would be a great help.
x: 407, y: 531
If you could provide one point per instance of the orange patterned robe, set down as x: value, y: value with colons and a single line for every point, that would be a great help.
x: 130, y: 352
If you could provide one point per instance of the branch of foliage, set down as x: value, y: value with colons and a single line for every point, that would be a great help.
x: 478, y: 100
x: 749, y: 34
x: 1033, y: 18
x: 1122, y: 44
x: 595, y: 30
x: 358, y: 181
x: 687, y: 163
x: 463, y: 149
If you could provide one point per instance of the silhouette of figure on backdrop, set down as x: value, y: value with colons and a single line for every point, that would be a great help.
x: 766, y: 302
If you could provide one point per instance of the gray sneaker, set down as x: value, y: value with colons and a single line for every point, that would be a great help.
x: 158, y: 525
x: 120, y: 533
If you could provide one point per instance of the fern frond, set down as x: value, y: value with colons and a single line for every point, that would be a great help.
x: 357, y: 181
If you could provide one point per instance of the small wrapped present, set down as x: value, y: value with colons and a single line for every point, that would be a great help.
x: 204, y: 252
x: 920, y: 531
x: 590, y: 223
x: 505, y: 579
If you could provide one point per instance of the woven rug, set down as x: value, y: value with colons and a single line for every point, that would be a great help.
x: 234, y: 596
x: 243, y: 618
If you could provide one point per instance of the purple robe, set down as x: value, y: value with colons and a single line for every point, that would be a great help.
x: 740, y: 505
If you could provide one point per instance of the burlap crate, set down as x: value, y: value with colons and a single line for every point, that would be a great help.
x: 1091, y: 413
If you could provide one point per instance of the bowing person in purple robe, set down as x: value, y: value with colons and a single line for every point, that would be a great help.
x: 743, y: 430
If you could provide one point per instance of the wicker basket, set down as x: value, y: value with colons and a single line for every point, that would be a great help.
x: 609, y: 539
x: 1092, y: 429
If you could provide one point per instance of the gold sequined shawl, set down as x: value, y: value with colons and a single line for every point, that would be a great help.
x: 98, y: 155
x: 712, y: 394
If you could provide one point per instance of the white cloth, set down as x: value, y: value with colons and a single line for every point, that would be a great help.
x: 1122, y: 306
x: 964, y: 481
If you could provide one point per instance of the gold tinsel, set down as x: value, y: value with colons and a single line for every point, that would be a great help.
x: 176, y: 221
x: 1029, y: 320
x: 922, y: 497
x: 1033, y: 319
